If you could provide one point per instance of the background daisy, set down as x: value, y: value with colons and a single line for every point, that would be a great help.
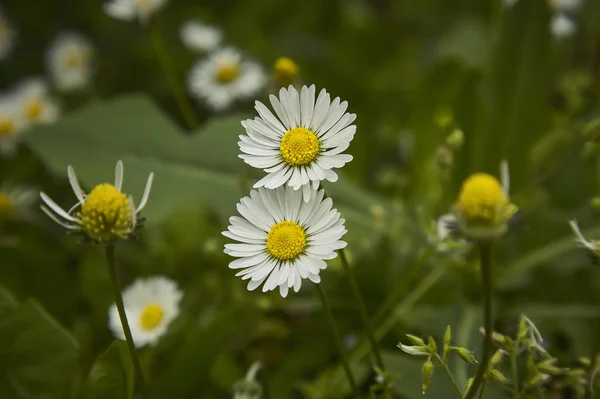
x: 130, y: 9
x: 303, y: 143
x: 197, y: 36
x: 35, y: 103
x: 11, y: 124
x: 16, y: 201
x: 151, y: 304
x: 225, y: 77
x: 282, y: 240
x: 7, y: 36
x: 69, y: 61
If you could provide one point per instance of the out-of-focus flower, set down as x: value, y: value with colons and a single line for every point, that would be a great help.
x: 225, y: 77
x: 285, y: 72
x: 69, y: 61
x: 12, y: 124
x: 249, y: 387
x: 509, y: 3
x: 105, y: 214
x: 197, y: 36
x: 302, y: 144
x: 7, y: 36
x: 16, y: 201
x: 151, y: 304
x: 282, y: 240
x: 565, y: 5
x: 562, y: 26
x: 128, y: 10
x: 35, y: 103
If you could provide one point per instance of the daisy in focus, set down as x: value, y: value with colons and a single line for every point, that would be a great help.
x: 127, y: 10
x: 281, y: 240
x: 69, y: 61
x: 105, y: 214
x: 225, y: 77
x: 593, y: 246
x: 483, y: 208
x: 151, y: 304
x: 7, y: 37
x: 12, y: 124
x: 199, y: 37
x: 302, y: 143
x: 35, y: 103
x: 16, y: 201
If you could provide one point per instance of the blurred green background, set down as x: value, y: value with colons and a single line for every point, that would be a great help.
x: 516, y: 93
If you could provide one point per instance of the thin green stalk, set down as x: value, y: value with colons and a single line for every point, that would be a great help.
x: 482, y: 389
x: 338, y: 341
x: 515, y: 374
x: 362, y: 309
x: 450, y: 375
x: 485, y: 250
x: 185, y: 106
x: 114, y: 278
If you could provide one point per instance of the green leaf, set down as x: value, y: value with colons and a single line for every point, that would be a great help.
x: 37, y: 356
x: 112, y: 375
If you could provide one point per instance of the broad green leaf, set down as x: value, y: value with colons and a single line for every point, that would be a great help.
x: 112, y: 375
x: 37, y: 356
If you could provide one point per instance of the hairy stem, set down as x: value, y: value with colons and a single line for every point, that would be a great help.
x: 450, y: 375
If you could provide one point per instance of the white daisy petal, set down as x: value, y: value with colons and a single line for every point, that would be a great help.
x: 69, y: 60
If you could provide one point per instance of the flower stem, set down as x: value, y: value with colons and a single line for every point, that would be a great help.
x: 485, y: 250
x: 186, y: 108
x: 362, y: 309
x: 515, y: 374
x: 452, y: 379
x: 114, y: 278
x: 338, y: 340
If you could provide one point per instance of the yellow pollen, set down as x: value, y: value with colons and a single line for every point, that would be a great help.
x: 482, y: 198
x: 7, y: 127
x: 74, y: 61
x: 299, y: 146
x: 6, y: 205
x: 285, y: 70
x: 33, y: 109
x: 106, y: 214
x: 286, y: 240
x: 143, y: 4
x: 151, y: 316
x: 227, y: 73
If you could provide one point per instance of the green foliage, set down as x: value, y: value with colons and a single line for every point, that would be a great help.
x: 112, y: 375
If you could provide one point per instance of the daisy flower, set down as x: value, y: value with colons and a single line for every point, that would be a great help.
x: 35, y: 103
x: 127, y: 10
x: 303, y: 143
x: 105, y: 214
x: 224, y: 78
x: 199, y: 37
x: 562, y: 26
x: 565, y: 5
x: 12, y: 124
x: 151, y: 304
x: 69, y: 61
x: 281, y: 240
x: 7, y: 37
x: 16, y: 201
x: 285, y: 72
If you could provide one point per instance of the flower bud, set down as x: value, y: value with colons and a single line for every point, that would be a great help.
x: 427, y: 373
x: 465, y: 354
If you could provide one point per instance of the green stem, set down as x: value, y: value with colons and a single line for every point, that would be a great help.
x: 362, y: 309
x: 450, y: 375
x: 486, y: 282
x: 515, y: 374
x: 114, y: 278
x: 338, y: 340
x: 186, y: 108
x: 482, y: 389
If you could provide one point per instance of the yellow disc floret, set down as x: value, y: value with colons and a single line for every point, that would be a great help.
x: 33, y: 109
x: 106, y: 214
x: 6, y: 205
x: 299, y: 146
x: 151, y: 316
x: 285, y: 70
x: 7, y: 127
x: 482, y: 198
x: 227, y: 73
x: 286, y: 240
x: 74, y: 60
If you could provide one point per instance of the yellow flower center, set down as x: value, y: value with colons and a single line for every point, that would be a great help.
x: 286, y: 240
x: 285, y: 70
x: 33, y: 109
x: 6, y: 205
x: 227, y: 73
x: 106, y: 214
x: 144, y: 4
x: 482, y: 199
x: 74, y: 60
x: 299, y: 146
x: 7, y: 127
x: 151, y: 316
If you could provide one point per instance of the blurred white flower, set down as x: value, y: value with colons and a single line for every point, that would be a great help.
x: 509, y: 3
x: 35, y: 103
x: 562, y: 26
x: 12, y: 124
x: 16, y: 201
x: 281, y: 240
x: 151, y: 304
x: 7, y: 37
x: 225, y: 77
x: 128, y: 10
x: 565, y: 5
x: 199, y: 37
x: 69, y: 61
